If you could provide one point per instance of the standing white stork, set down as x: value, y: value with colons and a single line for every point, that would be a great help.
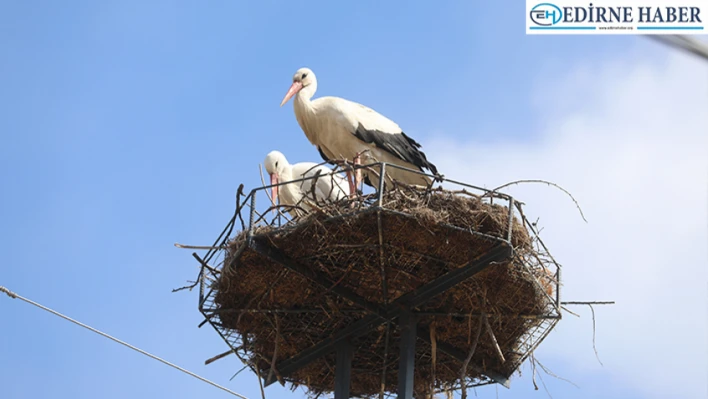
x: 328, y: 186
x: 342, y: 129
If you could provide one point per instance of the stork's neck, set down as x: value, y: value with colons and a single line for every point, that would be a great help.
x: 305, y: 112
x: 303, y: 97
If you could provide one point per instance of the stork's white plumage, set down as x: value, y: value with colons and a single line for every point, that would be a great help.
x: 342, y: 129
x: 328, y: 186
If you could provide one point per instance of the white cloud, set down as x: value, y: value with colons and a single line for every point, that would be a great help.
x: 630, y: 140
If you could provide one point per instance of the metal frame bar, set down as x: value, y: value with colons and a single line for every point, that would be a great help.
x: 384, y: 165
x: 406, y: 363
x: 380, y: 316
x: 211, y: 312
x: 343, y: 370
x: 259, y: 245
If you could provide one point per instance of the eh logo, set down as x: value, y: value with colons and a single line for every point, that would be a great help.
x: 546, y: 14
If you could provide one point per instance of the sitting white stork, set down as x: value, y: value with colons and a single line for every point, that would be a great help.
x: 342, y: 129
x: 328, y: 186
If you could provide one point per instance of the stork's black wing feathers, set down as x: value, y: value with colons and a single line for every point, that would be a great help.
x: 324, y: 157
x: 398, y: 144
x: 368, y: 182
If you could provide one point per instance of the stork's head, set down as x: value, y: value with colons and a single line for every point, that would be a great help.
x: 304, y: 77
x: 275, y: 164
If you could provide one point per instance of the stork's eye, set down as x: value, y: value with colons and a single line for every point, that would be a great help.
x: 276, y: 164
x: 304, y: 75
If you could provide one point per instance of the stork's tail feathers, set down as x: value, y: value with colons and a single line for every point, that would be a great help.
x: 425, y: 163
x: 397, y: 144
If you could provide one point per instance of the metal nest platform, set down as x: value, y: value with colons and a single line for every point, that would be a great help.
x: 411, y: 291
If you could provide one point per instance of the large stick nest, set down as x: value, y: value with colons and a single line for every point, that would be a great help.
x: 271, y: 306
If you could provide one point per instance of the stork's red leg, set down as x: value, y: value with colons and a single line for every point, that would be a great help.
x: 352, y: 184
x: 357, y: 172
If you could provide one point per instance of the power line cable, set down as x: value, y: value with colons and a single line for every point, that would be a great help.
x: 684, y: 43
x: 15, y: 296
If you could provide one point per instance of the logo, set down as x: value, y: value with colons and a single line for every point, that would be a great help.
x: 637, y: 17
x: 546, y: 14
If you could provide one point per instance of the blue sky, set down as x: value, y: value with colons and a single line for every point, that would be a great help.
x: 127, y: 126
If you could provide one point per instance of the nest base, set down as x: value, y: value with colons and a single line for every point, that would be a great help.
x: 291, y: 294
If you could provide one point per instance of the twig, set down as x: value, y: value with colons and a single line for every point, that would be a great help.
x: 568, y: 310
x: 588, y: 303
x: 238, y: 372
x: 260, y: 383
x: 313, y: 186
x: 201, y: 273
x: 239, y: 206
x: 219, y: 356
x: 533, y: 373
x: 465, y: 364
x: 494, y: 338
x: 593, y: 335
x: 544, y: 386
x: 203, y: 263
x: 275, y: 350
x: 548, y: 183
x: 275, y: 207
x: 178, y: 245
x: 187, y: 287
x: 463, y: 191
x: 552, y: 374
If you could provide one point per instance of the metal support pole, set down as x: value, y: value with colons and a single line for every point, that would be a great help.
x: 558, y: 290
x: 406, y: 363
x: 252, y: 215
x: 510, y: 232
x: 343, y: 370
x: 382, y: 182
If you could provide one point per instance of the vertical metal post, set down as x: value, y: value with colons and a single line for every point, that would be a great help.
x: 252, y: 215
x: 201, y: 289
x: 511, y: 221
x: 382, y: 181
x: 343, y: 370
x: 558, y: 289
x: 406, y: 363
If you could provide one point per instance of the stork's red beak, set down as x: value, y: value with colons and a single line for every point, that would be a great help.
x: 274, y: 189
x: 294, y: 88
